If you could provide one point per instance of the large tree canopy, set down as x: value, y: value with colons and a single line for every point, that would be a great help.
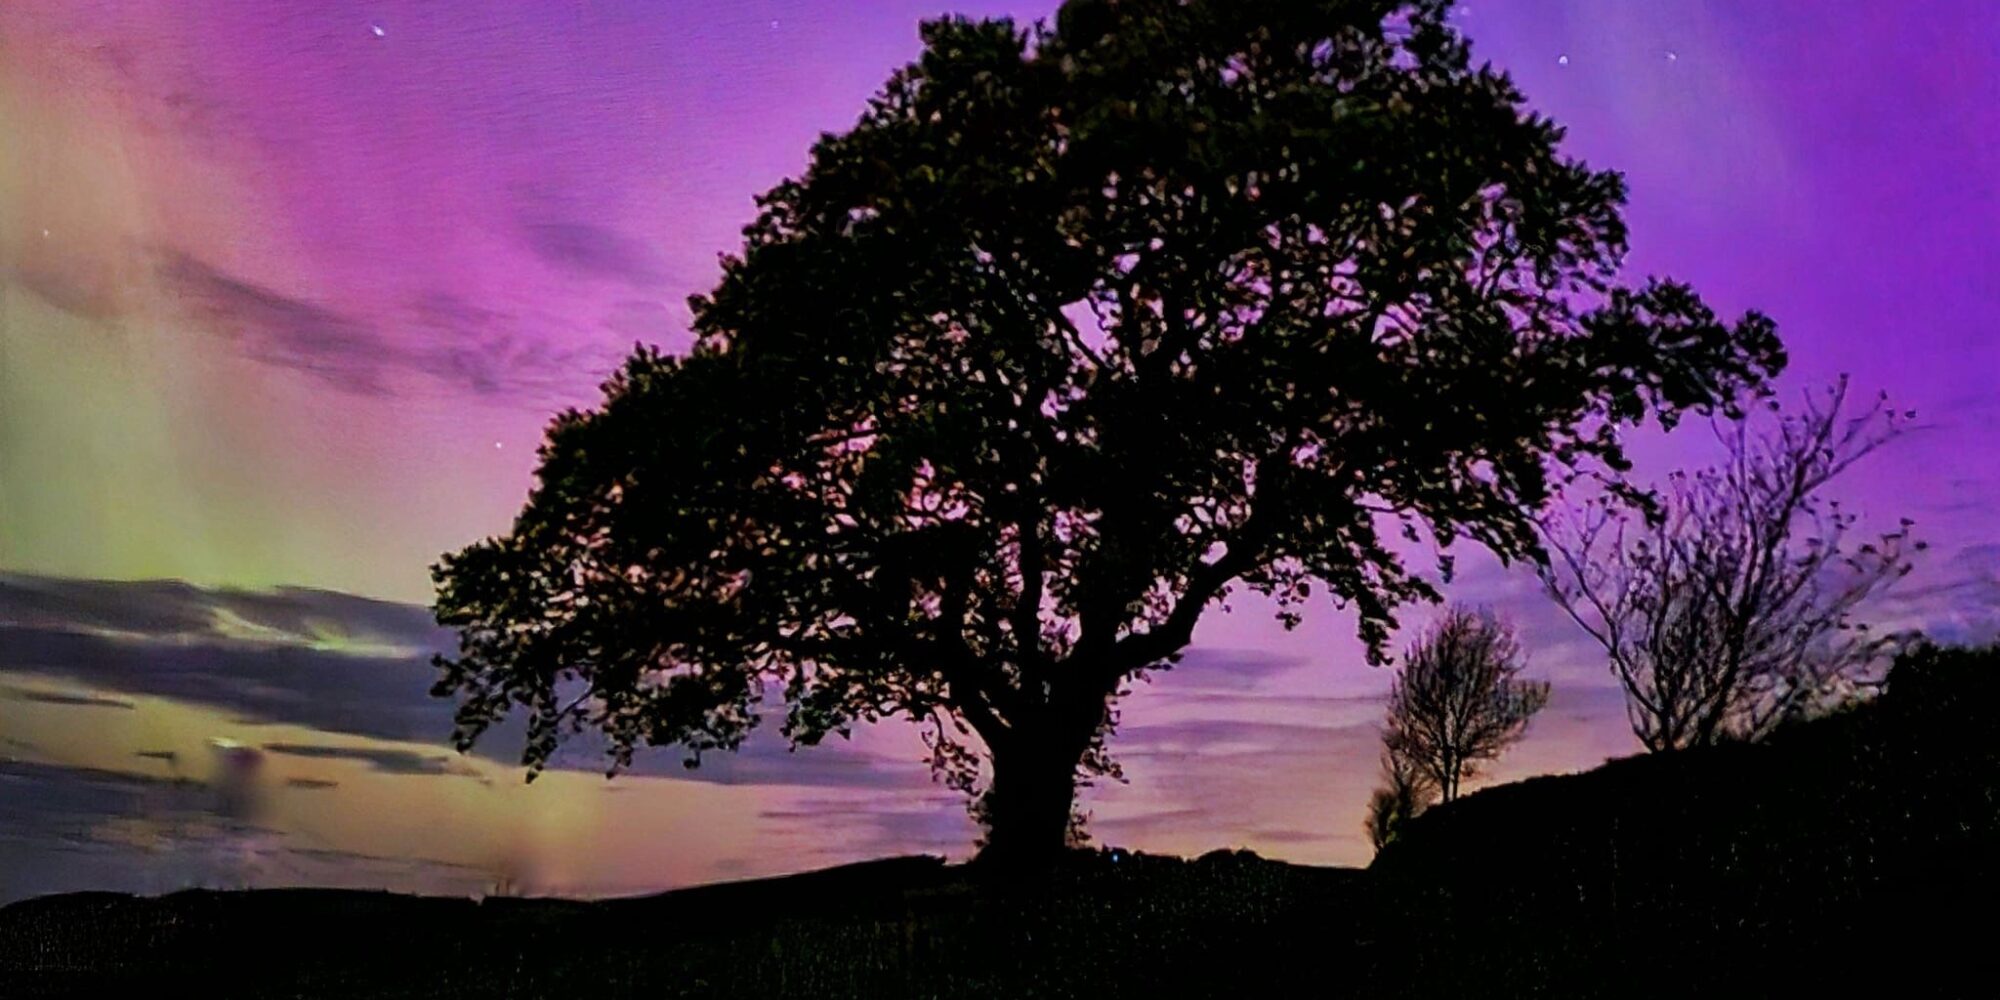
x: 1076, y: 329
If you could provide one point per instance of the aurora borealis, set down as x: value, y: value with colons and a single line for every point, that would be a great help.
x: 288, y: 290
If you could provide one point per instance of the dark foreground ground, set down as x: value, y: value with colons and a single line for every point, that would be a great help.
x: 898, y: 927
x: 1855, y: 855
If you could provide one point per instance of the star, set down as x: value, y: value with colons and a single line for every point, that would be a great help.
x: 378, y: 30
x: 1562, y: 60
x: 497, y: 446
x: 1673, y: 56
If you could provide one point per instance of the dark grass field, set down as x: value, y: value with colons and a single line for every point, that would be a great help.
x: 1853, y: 855
x: 899, y: 927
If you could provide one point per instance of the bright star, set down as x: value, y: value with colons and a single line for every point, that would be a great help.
x: 1673, y: 57
x: 378, y: 30
x: 1562, y: 60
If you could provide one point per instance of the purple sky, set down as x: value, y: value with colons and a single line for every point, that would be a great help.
x: 288, y: 290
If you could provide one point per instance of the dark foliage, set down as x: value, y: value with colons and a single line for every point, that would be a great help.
x: 1405, y: 792
x: 1075, y: 330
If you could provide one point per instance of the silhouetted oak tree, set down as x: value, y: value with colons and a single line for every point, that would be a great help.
x: 1730, y: 607
x: 1074, y: 331
x: 1458, y: 700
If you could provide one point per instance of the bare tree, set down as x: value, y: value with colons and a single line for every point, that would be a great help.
x: 1726, y: 603
x: 1405, y: 792
x: 1458, y: 700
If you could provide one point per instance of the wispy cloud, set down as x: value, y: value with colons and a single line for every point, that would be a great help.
x: 643, y: 321
x: 465, y: 346
x: 64, y: 698
x: 533, y: 360
x: 83, y: 289
x: 332, y: 662
x: 386, y: 760
x: 280, y: 328
x: 590, y: 250
x: 1958, y: 601
x: 172, y: 611
x: 148, y: 834
x: 315, y: 658
x: 1212, y: 668
x: 879, y: 825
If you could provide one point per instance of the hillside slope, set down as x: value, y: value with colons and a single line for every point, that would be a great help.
x: 1864, y: 846
x: 898, y: 927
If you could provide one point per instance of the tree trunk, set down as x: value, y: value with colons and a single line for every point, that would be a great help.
x: 1027, y: 811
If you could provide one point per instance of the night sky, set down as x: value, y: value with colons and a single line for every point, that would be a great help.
x: 289, y: 289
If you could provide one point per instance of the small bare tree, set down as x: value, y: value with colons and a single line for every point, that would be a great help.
x: 1458, y: 700
x: 1726, y: 602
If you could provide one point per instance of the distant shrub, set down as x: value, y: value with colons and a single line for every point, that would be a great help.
x: 1945, y: 678
x: 1404, y: 794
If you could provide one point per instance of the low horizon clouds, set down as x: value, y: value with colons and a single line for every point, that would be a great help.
x: 1231, y: 744
x: 360, y: 666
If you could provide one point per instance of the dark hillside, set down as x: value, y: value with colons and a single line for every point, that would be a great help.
x: 1863, y: 845
x: 898, y: 927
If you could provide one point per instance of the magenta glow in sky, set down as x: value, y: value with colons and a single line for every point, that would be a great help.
x: 345, y: 250
x: 288, y: 290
